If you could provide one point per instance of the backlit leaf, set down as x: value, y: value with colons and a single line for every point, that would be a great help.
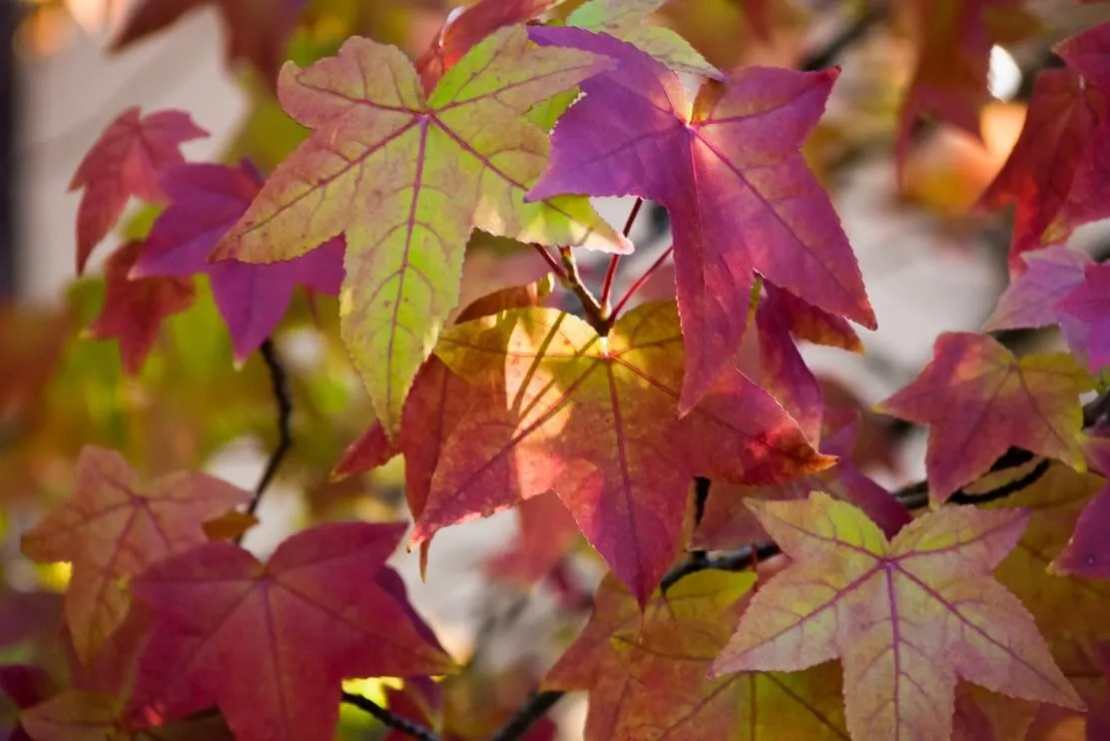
x: 113, y: 528
x: 595, y: 420
x: 740, y: 196
x: 127, y: 160
x: 906, y: 616
x: 271, y: 643
x: 979, y: 400
x: 406, y: 179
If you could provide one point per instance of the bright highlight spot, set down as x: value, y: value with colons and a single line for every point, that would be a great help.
x: 1004, y: 77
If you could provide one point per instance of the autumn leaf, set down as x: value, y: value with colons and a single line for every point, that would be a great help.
x: 255, y: 31
x: 728, y: 523
x: 77, y: 715
x: 113, y: 528
x: 134, y: 309
x: 1046, y: 175
x: 127, y: 160
x: 1088, y: 303
x: 624, y: 19
x: 646, y: 672
x: 1033, y: 297
x: 594, y: 419
x: 467, y: 27
x: 906, y: 616
x: 953, y: 40
x: 1087, y: 554
x: 271, y: 643
x: 546, y: 532
x: 205, y: 202
x: 407, y: 179
x: 727, y: 167
x: 979, y: 400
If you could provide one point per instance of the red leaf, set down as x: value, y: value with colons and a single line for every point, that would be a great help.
x: 205, y: 202
x: 561, y: 409
x: 255, y: 31
x: 1088, y: 552
x: 271, y: 643
x: 134, y: 308
x: 466, y: 27
x: 113, y: 528
x: 979, y: 400
x: 1054, y: 173
x: 127, y: 160
x: 728, y: 168
x: 1089, y: 303
x: 728, y: 523
x: 949, y: 82
x: 546, y: 532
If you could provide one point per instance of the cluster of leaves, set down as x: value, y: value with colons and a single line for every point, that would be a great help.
x: 627, y: 421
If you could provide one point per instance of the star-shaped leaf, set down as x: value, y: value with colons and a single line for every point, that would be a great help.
x: 127, y: 160
x: 1052, y: 173
x: 646, y: 672
x: 205, y: 202
x: 906, y: 616
x: 134, y: 308
x: 979, y: 400
x: 271, y: 643
x: 113, y: 528
x: 255, y: 31
x: 728, y: 523
x: 595, y: 420
x: 407, y: 178
x: 728, y: 168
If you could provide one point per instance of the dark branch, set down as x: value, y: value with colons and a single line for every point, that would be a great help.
x: 827, y: 55
x: 535, y: 708
x: 417, y: 731
x: 280, y: 384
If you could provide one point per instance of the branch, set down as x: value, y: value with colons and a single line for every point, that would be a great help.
x: 826, y: 55
x: 527, y: 714
x: 404, y: 725
x: 279, y: 382
x: 573, y: 282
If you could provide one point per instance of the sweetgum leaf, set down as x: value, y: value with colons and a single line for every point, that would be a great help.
x: 1088, y: 302
x: 646, y: 673
x: 466, y: 28
x: 127, y: 160
x: 1052, y: 174
x: 113, y: 528
x: 953, y: 40
x: 407, y: 178
x: 595, y: 419
x: 728, y: 523
x: 979, y: 400
x: 728, y: 168
x: 134, y: 308
x: 77, y: 715
x: 205, y: 202
x: 906, y: 616
x: 624, y: 19
x: 1088, y: 553
x: 271, y: 643
x: 255, y: 31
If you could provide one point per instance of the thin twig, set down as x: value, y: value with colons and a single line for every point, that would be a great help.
x: 385, y: 717
x: 639, y: 283
x: 279, y: 382
x: 535, y: 708
x: 615, y: 260
x: 573, y: 282
x: 826, y: 55
x: 551, y: 262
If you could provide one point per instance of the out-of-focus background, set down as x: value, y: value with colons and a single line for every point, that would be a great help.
x: 929, y: 263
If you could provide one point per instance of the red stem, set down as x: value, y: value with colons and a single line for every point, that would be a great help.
x: 611, y: 273
x: 551, y: 262
x: 641, y: 281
